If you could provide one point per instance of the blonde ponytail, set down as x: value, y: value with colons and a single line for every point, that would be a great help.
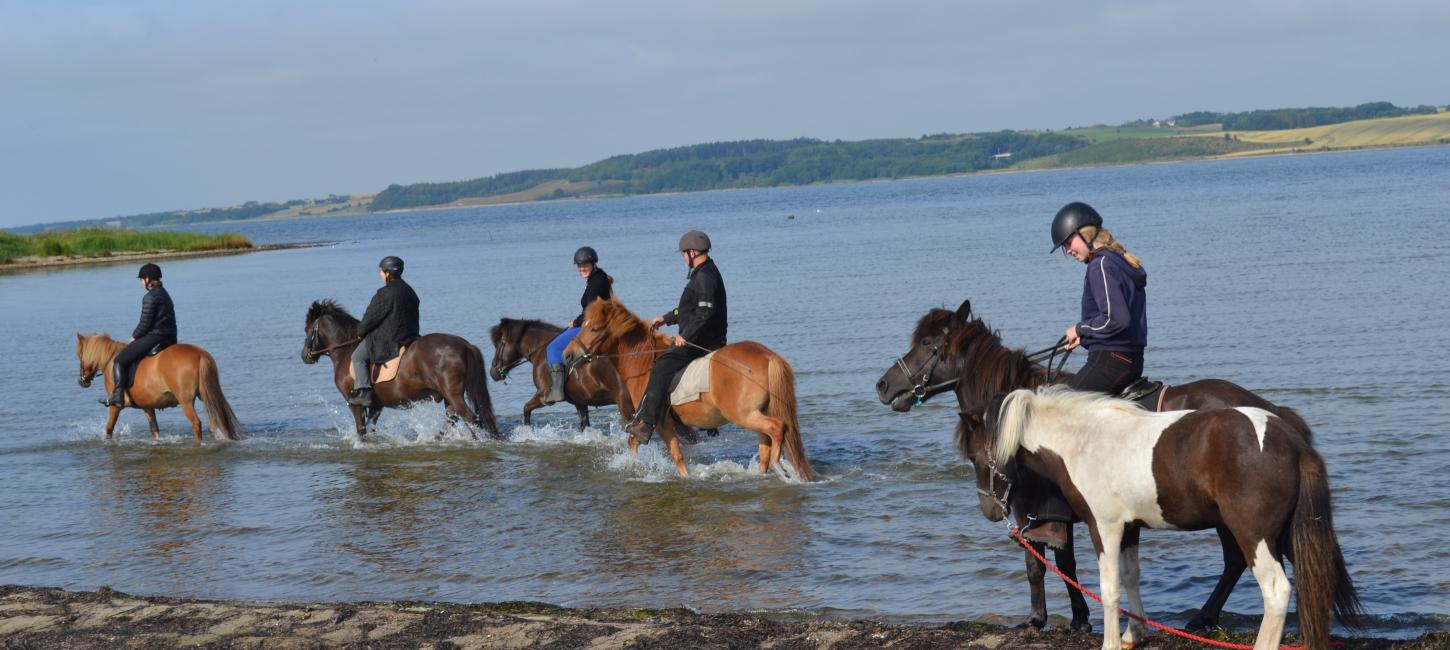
x: 1104, y: 239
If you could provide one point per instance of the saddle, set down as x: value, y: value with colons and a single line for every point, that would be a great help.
x: 687, y: 384
x: 382, y: 372
x: 1148, y: 394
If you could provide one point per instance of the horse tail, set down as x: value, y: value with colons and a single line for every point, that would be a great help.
x: 218, y: 412
x: 1293, y: 419
x: 781, y: 405
x: 475, y: 387
x: 1323, y: 583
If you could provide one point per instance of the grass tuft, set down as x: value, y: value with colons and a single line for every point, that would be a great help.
x: 103, y: 242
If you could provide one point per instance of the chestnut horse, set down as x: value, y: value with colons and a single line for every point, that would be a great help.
x: 516, y: 342
x: 750, y: 385
x: 1123, y: 469
x: 177, y: 375
x: 436, y: 367
x: 957, y: 351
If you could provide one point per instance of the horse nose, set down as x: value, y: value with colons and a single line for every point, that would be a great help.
x: 881, y: 390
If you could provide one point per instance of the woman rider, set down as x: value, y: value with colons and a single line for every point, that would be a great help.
x: 596, y: 286
x: 1113, y: 328
x: 157, y: 328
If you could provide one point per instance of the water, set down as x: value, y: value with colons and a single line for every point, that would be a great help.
x: 1316, y: 280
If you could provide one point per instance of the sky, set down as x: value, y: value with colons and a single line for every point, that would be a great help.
x: 115, y: 108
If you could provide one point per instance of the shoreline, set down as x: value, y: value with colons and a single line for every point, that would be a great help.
x: 39, y: 263
x: 105, y: 618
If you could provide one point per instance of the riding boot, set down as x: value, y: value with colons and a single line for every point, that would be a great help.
x: 118, y: 379
x: 361, y: 397
x: 1057, y: 534
x: 642, y: 426
x: 557, y: 379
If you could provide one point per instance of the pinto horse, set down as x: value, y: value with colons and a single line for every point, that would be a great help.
x: 516, y: 342
x: 1123, y: 469
x: 750, y: 385
x: 957, y: 351
x: 177, y: 375
x: 436, y: 367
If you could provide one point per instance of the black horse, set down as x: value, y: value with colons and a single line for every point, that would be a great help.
x: 957, y: 351
x: 435, y: 367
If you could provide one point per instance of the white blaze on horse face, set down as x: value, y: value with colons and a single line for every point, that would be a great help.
x: 1259, y: 417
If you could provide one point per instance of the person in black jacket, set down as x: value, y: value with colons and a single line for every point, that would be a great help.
x: 390, y: 322
x: 596, y: 287
x: 157, y: 329
x: 701, y: 316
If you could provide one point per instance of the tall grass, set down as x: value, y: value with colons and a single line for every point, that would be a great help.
x: 102, y: 242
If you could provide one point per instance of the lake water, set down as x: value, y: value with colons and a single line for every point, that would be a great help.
x: 1319, y: 281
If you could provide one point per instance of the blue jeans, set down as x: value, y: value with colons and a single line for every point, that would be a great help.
x: 555, y: 351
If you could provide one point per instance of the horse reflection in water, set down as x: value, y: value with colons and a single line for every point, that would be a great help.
x: 170, y: 499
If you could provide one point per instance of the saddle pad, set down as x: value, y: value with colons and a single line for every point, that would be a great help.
x: 694, y: 380
x: 382, y: 373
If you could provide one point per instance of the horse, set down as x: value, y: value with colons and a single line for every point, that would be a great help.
x: 958, y: 351
x: 177, y: 375
x: 750, y: 385
x: 435, y: 367
x: 517, y: 341
x: 1123, y: 468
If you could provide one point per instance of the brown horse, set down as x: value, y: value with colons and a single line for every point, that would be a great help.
x: 435, y: 367
x: 957, y: 351
x: 516, y: 342
x: 1123, y: 469
x: 177, y: 375
x: 750, y: 385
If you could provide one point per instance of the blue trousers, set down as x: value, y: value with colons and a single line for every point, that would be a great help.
x: 555, y: 351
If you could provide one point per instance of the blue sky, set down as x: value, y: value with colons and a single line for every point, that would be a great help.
x: 111, y: 108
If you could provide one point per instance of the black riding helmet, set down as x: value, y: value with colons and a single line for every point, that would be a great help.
x: 585, y: 255
x: 391, y: 264
x: 1071, y: 218
x: 149, y: 272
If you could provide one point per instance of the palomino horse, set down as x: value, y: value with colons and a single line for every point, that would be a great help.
x: 959, y: 351
x: 436, y: 367
x: 175, y: 376
x: 1124, y: 468
x: 750, y: 385
x: 516, y: 342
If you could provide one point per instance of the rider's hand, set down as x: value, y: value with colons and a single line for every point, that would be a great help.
x: 133, y: 340
x: 571, y: 324
x: 1073, y: 340
x: 657, y: 322
x: 680, y: 341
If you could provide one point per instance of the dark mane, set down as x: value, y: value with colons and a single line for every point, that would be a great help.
x: 514, y: 328
x: 329, y: 307
x: 987, y: 367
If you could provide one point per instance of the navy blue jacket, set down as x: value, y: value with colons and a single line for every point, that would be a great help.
x: 158, y: 315
x: 1114, y: 304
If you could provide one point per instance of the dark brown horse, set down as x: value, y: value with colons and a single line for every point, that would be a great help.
x: 750, y: 385
x: 516, y: 342
x: 435, y: 367
x: 1123, y: 468
x: 177, y: 375
x: 959, y: 352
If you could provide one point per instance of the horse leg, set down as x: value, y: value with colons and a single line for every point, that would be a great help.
x: 1037, y: 619
x: 529, y: 407
x: 189, y: 408
x: 1067, y: 563
x: 357, y: 416
x: 151, y: 420
x: 1131, y: 573
x: 767, y: 427
x: 1110, y: 546
x: 583, y: 411
x: 676, y: 454
x: 456, y: 408
x: 1274, y: 586
x: 113, y: 412
x: 1233, y: 569
x: 764, y: 453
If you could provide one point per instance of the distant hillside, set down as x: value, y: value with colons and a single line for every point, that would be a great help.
x: 248, y: 210
x: 1297, y: 118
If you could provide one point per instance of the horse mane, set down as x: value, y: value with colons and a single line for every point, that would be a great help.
x: 99, y: 348
x: 329, y: 307
x: 1024, y: 405
x: 514, y: 328
x: 621, y: 323
x: 986, y: 365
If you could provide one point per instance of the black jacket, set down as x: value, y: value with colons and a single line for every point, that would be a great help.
x: 390, y: 321
x: 701, y: 314
x: 158, y: 315
x: 596, y: 287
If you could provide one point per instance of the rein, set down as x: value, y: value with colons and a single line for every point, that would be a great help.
x: 330, y: 348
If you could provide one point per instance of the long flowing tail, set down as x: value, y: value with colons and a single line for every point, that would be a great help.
x: 1322, y: 581
x: 475, y: 387
x: 218, y: 412
x: 781, y: 405
x: 1293, y: 419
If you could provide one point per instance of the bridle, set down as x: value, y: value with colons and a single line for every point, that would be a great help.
x: 919, y: 387
x: 313, y: 336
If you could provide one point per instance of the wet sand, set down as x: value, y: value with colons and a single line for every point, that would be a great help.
x: 40, y: 617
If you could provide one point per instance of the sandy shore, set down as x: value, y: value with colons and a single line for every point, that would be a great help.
x: 34, y: 263
x: 39, y: 617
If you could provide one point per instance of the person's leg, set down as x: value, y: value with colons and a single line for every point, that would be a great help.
x: 655, y: 401
x: 1108, y: 372
x: 555, y: 354
x: 362, y: 385
x: 123, y: 366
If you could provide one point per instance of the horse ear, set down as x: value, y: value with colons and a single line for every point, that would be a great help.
x: 964, y: 312
x: 80, y: 339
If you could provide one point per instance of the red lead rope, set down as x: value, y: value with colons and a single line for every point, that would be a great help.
x: 1017, y: 534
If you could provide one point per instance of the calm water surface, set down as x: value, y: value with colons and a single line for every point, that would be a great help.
x: 1316, y: 280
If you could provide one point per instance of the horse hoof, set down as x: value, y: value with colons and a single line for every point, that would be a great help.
x: 1197, y: 625
x: 1081, y: 626
x: 1033, y: 623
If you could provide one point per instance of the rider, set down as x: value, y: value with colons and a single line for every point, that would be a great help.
x: 596, y: 286
x: 1114, y: 329
x: 390, y: 322
x: 701, y: 317
x: 157, y: 328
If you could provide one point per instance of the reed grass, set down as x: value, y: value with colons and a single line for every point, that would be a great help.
x: 103, y: 242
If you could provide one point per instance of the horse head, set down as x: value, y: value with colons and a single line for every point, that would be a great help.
x: 328, y: 326
x: 608, y: 325
x: 975, y: 437
x: 91, y: 357
x: 508, y: 346
x: 926, y: 370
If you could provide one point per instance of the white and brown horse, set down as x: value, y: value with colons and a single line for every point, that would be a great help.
x: 1123, y: 469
